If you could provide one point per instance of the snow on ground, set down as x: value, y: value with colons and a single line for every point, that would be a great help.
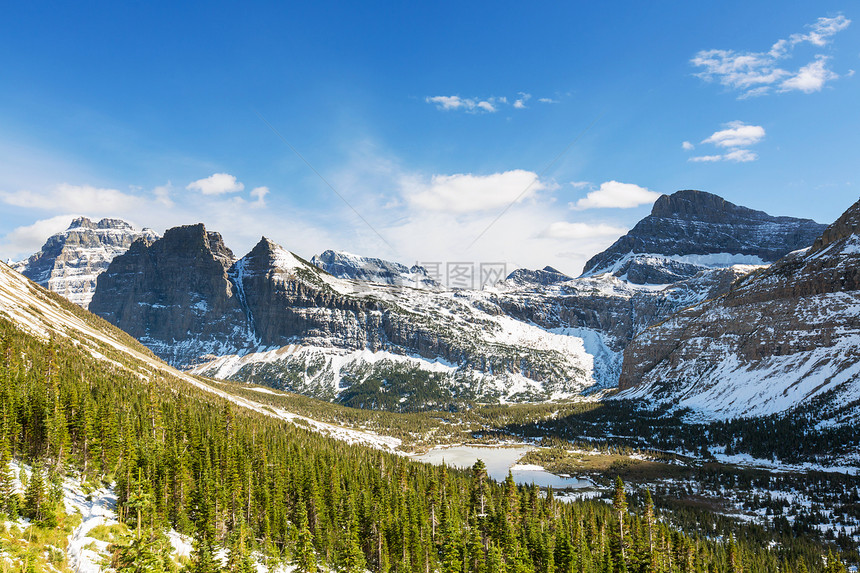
x: 527, y: 468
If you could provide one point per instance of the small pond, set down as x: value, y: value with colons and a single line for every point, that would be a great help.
x: 499, y: 460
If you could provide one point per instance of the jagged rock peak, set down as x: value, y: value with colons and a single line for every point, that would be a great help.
x: 106, y: 223
x: 272, y: 255
x: 780, y: 336
x: 846, y: 225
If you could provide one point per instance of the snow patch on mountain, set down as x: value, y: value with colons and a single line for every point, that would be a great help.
x: 70, y: 261
x: 345, y: 265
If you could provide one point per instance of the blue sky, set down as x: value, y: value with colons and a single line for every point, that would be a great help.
x: 428, y: 119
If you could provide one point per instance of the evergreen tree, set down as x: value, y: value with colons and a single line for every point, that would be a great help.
x: 618, y: 540
x: 9, y: 498
x: 304, y: 558
x: 239, y: 556
x: 35, y: 496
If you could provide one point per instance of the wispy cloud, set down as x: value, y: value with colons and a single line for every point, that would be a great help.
x: 259, y: 196
x: 482, y: 105
x: 520, y: 103
x: 72, y: 198
x: 465, y: 192
x: 30, y: 238
x: 736, y: 134
x: 470, y: 105
x: 735, y: 137
x: 614, y: 194
x: 810, y: 78
x: 760, y: 73
x: 567, y: 230
x: 687, y: 146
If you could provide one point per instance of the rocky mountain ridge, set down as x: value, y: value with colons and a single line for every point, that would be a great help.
x: 690, y: 231
x: 271, y: 317
x: 70, y: 261
x: 781, y: 336
x: 348, y: 266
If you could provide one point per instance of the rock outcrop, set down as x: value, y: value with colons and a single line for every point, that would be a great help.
x: 70, y: 261
x: 689, y: 231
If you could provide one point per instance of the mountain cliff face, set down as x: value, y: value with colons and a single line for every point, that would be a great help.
x: 781, y: 336
x: 689, y: 231
x: 272, y: 317
x: 348, y: 266
x: 174, y: 290
x: 70, y: 261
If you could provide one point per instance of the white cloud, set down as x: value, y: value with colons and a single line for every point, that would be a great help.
x: 464, y: 192
x: 66, y: 197
x: 615, y: 194
x: 687, y: 146
x: 566, y: 230
x: 740, y: 156
x: 162, y: 195
x: 520, y: 103
x: 580, y: 184
x: 736, y: 156
x: 810, y: 78
x: 755, y: 73
x: 736, y: 134
x: 30, y: 238
x: 216, y: 184
x: 470, y: 105
x: 259, y: 195
x: 822, y: 31
x: 487, y: 106
x: 706, y: 158
x: 481, y: 105
x: 547, y: 100
x: 735, y: 137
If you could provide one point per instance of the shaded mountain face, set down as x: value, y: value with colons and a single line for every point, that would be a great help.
x: 174, y: 290
x: 69, y: 262
x: 348, y: 266
x: 689, y: 231
x: 784, y: 335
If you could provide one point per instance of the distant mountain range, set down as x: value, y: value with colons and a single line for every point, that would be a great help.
x: 373, y: 333
x: 70, y: 261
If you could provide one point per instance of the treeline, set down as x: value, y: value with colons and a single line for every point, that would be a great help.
x: 183, y: 458
x: 793, y: 436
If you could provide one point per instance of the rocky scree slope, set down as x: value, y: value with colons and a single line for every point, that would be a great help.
x: 782, y: 336
x: 689, y: 231
x: 70, y: 261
